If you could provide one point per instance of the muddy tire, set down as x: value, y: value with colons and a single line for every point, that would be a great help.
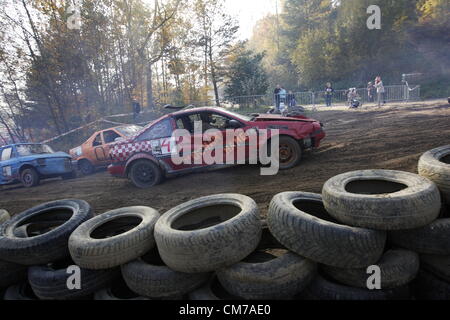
x: 29, y: 178
x: 398, y: 268
x: 323, y: 289
x: 145, y: 174
x: 430, y: 287
x: 47, y: 247
x: 50, y: 282
x: 290, y: 153
x: 149, y: 277
x: 382, y: 199
x: 299, y: 221
x: 93, y: 245
x: 431, y: 239
x: 4, y: 216
x: 86, y: 168
x: 11, y: 273
x: 438, y: 265
x: 435, y: 165
x: 208, y: 233
x: 20, y: 291
x: 281, y: 277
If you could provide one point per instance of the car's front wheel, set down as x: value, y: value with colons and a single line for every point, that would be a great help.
x: 290, y: 153
x: 145, y: 174
x: 86, y: 167
x: 29, y: 178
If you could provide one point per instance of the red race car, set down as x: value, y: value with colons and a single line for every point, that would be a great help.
x: 155, y: 151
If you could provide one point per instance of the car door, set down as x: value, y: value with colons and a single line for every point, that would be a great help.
x: 99, y: 150
x: 231, y: 138
x: 8, y: 165
x: 109, y: 137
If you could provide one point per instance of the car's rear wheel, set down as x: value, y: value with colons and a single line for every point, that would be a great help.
x: 145, y: 174
x: 290, y: 153
x: 29, y: 178
x: 86, y: 167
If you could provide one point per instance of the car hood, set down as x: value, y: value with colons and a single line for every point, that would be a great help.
x: 45, y: 156
x: 275, y: 117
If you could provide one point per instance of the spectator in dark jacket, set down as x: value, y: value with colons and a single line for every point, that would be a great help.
x: 290, y: 99
x: 136, y: 109
x: 276, y: 95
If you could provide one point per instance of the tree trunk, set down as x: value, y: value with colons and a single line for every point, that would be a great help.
x: 150, y: 102
x: 213, y: 77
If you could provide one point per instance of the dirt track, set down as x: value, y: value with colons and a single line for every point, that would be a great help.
x: 392, y: 137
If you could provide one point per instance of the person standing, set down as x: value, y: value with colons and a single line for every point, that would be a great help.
x: 283, y: 95
x: 276, y: 95
x: 380, y: 90
x: 291, y: 101
x: 136, y: 109
x: 329, y: 91
x: 371, y: 92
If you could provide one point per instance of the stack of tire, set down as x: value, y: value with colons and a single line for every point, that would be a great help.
x: 312, y: 247
x: 215, y: 247
x: 374, y: 218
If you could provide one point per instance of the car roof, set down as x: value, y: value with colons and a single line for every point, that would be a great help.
x: 201, y: 109
x: 20, y: 144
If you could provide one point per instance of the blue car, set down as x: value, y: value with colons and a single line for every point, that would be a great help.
x: 28, y: 163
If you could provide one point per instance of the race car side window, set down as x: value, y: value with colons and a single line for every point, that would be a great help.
x: 162, y: 129
x: 6, y: 154
x: 110, y: 136
x: 97, y: 141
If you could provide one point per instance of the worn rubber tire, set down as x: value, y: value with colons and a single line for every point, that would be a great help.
x: 29, y: 178
x: 4, y: 216
x: 224, y: 241
x: 296, y: 149
x: 430, y: 287
x: 105, y: 253
x: 86, y: 168
x: 320, y: 240
x: 269, y: 273
x: 11, y: 273
x: 156, y: 171
x: 20, y: 291
x: 432, y: 167
x: 323, y: 289
x: 48, y: 247
x: 415, y: 206
x: 36, y: 228
x: 431, y: 239
x: 438, y: 265
x: 212, y: 290
x: 398, y: 268
x: 50, y: 282
x: 149, y: 277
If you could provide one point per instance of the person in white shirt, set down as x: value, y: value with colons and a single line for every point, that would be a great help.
x: 380, y: 90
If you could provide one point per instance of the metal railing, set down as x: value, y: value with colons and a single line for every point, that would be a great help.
x: 394, y: 93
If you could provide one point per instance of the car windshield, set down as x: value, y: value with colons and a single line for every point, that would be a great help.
x: 30, y: 149
x: 129, y: 131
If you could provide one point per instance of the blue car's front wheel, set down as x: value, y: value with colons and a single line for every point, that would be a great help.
x: 29, y: 178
